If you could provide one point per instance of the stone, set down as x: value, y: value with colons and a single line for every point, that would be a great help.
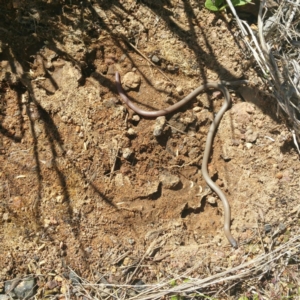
x: 267, y: 228
x: 74, y: 277
x: 250, y: 136
x: 131, y: 132
x: 211, y: 200
x: 248, y: 145
x: 131, y: 80
x: 160, y: 123
x: 155, y: 59
x: 25, y: 289
x: 136, y: 118
x: 127, y: 152
x: 168, y: 180
x: 197, y: 109
x: 179, y: 90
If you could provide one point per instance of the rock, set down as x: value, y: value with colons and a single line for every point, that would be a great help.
x: 160, y: 123
x: 179, y: 90
x: 111, y: 70
x: 50, y: 285
x: 172, y: 68
x: 248, y: 145
x: 211, y: 200
x: 131, y: 241
x: 150, y: 188
x: 197, y: 109
x: 131, y: 132
x: 6, y: 217
x: 136, y: 118
x: 131, y: 80
x: 139, y: 285
x: 267, y: 228
x: 251, y: 136
x: 24, y: 289
x: 74, y: 277
x: 155, y: 59
x: 169, y: 180
x: 127, y: 152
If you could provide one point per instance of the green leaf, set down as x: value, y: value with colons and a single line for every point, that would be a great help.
x: 255, y: 297
x: 209, y: 5
x: 240, y: 2
x: 217, y: 5
x: 173, y: 282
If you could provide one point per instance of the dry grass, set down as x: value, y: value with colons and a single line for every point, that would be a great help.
x: 277, y: 53
x: 281, y: 265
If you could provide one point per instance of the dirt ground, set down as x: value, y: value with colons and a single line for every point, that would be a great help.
x: 84, y: 182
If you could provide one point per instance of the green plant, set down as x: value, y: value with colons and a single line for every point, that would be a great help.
x: 217, y: 5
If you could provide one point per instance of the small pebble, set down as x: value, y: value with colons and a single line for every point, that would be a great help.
x: 267, y: 228
x: 131, y: 80
x: 211, y: 200
x: 250, y: 136
x: 111, y: 70
x: 279, y: 175
x: 6, y: 217
x: 131, y: 132
x: 155, y: 59
x: 127, y: 152
x: 122, y: 58
x: 136, y: 118
x: 179, y: 90
x: 197, y: 109
x: 169, y: 180
x: 131, y: 241
x: 160, y: 123
x: 64, y: 119
x: 248, y: 145
x: 74, y: 277
x: 171, y: 68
